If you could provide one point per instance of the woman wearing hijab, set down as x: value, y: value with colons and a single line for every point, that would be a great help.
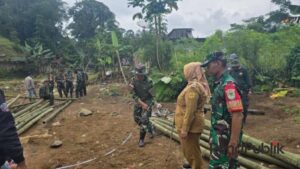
x: 189, y: 116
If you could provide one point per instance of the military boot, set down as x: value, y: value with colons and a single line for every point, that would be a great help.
x: 141, y: 143
x: 186, y: 166
x: 142, y: 137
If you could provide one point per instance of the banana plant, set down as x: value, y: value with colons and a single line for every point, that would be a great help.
x: 38, y: 55
x: 115, y: 44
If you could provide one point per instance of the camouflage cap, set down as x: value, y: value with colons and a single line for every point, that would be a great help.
x: 140, y: 69
x: 233, y: 56
x: 234, y: 62
x: 212, y: 57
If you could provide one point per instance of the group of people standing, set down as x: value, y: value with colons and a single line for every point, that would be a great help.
x: 229, y: 104
x: 11, y: 151
x: 65, y: 83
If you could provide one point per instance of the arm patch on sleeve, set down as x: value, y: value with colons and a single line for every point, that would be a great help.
x: 233, y: 98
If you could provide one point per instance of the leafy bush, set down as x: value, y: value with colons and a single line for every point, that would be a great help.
x: 168, y: 87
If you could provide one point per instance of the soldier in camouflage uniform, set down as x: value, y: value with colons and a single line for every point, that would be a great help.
x: 60, y: 82
x: 85, y: 81
x: 69, y: 83
x: 242, y: 79
x: 227, y: 115
x: 51, y: 82
x: 79, y: 83
x: 141, y: 87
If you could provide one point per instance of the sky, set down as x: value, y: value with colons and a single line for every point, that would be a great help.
x: 203, y: 16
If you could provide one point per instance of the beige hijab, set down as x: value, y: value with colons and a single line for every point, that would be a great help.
x: 193, y: 73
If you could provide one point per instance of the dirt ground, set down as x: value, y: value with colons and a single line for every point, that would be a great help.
x: 90, y: 137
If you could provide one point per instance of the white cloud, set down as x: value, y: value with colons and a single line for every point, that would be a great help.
x: 204, y: 16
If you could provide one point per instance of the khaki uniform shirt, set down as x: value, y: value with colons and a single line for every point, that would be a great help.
x: 189, y: 114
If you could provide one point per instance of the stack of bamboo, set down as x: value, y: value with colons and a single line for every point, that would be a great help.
x: 26, y: 115
x: 247, y: 159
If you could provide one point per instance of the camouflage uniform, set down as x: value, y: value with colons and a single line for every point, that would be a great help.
x: 46, y: 93
x: 60, y: 82
x: 79, y: 83
x: 69, y: 83
x: 225, y: 101
x: 241, y: 77
x: 141, y: 90
x: 220, y: 131
x: 85, y: 80
x: 51, y: 85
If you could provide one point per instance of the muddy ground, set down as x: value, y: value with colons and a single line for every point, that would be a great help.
x: 111, y: 123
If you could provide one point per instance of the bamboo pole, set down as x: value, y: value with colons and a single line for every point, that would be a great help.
x: 288, y: 157
x: 56, y: 112
x: 30, y: 113
x: 20, y: 105
x: 59, y: 99
x: 13, y: 101
x: 243, y: 161
x: 259, y: 156
x: 26, y: 119
x: 26, y: 109
x: 32, y: 122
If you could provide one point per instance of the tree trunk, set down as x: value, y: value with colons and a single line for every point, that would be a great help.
x: 157, y: 41
x: 121, y: 68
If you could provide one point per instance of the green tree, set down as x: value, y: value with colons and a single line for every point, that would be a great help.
x: 293, y: 66
x: 90, y: 17
x: 154, y: 11
x: 33, y: 21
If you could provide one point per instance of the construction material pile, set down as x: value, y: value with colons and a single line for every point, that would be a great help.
x: 28, y: 114
x: 248, y: 159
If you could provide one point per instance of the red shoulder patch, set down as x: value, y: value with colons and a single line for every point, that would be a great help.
x: 233, y: 98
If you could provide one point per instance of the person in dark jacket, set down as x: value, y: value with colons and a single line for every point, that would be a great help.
x: 60, y: 81
x: 10, y: 146
x: 46, y: 93
x: 241, y: 76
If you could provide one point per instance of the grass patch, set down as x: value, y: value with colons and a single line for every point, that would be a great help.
x: 294, y: 112
x: 297, y: 119
x: 9, y: 49
x: 295, y: 93
x: 111, y: 90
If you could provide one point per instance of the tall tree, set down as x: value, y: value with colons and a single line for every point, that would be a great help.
x: 154, y: 11
x: 33, y: 21
x: 90, y: 16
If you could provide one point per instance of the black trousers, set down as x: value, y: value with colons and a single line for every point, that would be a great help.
x: 79, y: 89
x: 69, y: 88
x: 84, y: 88
x: 50, y: 98
x: 61, y: 89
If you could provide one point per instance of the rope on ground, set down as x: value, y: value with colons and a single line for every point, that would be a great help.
x: 78, y: 164
x: 124, y: 142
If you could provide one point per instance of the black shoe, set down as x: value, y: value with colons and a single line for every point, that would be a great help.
x: 151, y: 135
x: 141, y: 143
x: 186, y: 166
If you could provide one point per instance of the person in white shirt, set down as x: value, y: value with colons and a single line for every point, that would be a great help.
x: 29, y: 86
